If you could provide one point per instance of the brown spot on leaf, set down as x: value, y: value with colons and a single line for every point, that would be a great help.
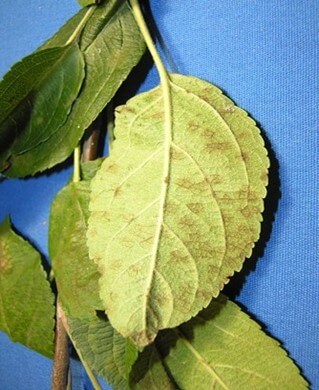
x: 125, y: 109
x: 193, y: 126
x: 117, y: 191
x: 186, y: 222
x: 226, y: 109
x: 264, y: 177
x: 5, y: 265
x: 204, y: 295
x: 244, y: 156
x: 178, y: 155
x: 178, y: 256
x: 184, y: 183
x: 157, y: 116
x: 195, y: 187
x: 143, y: 338
x: 113, y: 168
x: 196, y: 208
x: 215, y: 179
x: 212, y: 146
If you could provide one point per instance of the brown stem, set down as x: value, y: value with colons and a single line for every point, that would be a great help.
x: 91, y: 140
x: 61, y: 353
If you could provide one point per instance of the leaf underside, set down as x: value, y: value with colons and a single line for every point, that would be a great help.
x: 104, y: 350
x: 76, y: 275
x: 26, y: 299
x: 222, y: 348
x: 166, y: 244
x: 109, y: 38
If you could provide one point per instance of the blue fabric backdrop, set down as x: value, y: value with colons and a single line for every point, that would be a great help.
x: 265, y: 56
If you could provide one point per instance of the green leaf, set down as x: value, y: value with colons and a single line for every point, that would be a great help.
x: 101, y: 348
x: 36, y: 96
x: 149, y: 373
x: 166, y: 243
x: 222, y: 348
x: 76, y: 275
x: 89, y: 168
x: 116, y: 359
x: 61, y: 37
x: 26, y: 299
x: 104, y: 350
x: 114, y: 40
x: 85, y: 3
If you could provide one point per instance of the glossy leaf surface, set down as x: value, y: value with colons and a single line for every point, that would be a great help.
x: 26, y: 299
x: 109, y: 38
x: 36, y: 96
x: 176, y: 208
x: 111, y: 46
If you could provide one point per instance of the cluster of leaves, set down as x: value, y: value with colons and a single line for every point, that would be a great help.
x: 152, y: 233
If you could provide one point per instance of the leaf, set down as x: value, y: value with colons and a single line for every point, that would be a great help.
x: 89, y: 169
x: 166, y: 243
x: 148, y: 372
x: 85, y: 3
x: 26, y: 299
x: 114, y: 358
x: 61, y: 37
x: 35, y: 99
x: 222, y: 348
x: 110, y: 49
x: 103, y: 349
x: 76, y: 275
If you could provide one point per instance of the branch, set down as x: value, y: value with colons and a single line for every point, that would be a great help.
x: 61, y: 353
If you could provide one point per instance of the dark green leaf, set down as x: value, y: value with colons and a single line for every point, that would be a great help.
x: 111, y: 51
x: 85, y: 3
x: 36, y: 96
x: 62, y: 36
x: 26, y: 299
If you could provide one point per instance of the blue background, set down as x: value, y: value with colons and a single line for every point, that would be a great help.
x: 265, y: 56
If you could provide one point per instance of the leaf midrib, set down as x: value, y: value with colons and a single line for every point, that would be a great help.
x: 168, y: 125
x: 201, y: 359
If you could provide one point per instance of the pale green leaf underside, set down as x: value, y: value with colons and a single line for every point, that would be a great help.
x: 76, y: 275
x: 36, y: 96
x: 104, y: 350
x: 212, y: 206
x: 222, y: 348
x: 111, y: 48
x: 26, y: 299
